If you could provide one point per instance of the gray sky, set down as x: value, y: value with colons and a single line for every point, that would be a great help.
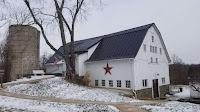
x: 177, y: 20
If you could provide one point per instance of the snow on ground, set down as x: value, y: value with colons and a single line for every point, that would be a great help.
x: 29, y: 79
x: 173, y: 106
x: 59, y: 88
x: 8, y: 104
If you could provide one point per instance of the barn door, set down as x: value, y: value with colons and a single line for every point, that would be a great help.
x: 155, y: 88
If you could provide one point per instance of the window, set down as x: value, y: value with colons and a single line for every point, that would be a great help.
x: 110, y: 83
x: 144, y: 83
x: 160, y: 50
x: 152, y: 38
x: 156, y: 60
x: 163, y: 80
x: 155, y: 50
x: 145, y: 47
x: 96, y: 83
x: 151, y: 60
x: 103, y: 82
x: 151, y: 48
x: 128, y: 84
x: 119, y: 83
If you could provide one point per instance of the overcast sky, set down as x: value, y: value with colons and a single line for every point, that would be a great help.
x: 177, y: 20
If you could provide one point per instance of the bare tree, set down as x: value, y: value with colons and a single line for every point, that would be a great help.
x: 66, y: 14
x: 193, y: 77
x: 4, y: 62
x: 14, y: 14
x: 2, y: 52
x: 176, y: 59
x: 43, y: 60
x: 63, y: 15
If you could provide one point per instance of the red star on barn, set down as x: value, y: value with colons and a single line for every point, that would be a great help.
x: 107, y: 69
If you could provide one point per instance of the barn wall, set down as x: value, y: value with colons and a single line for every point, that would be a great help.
x: 121, y: 70
x: 82, y: 58
x: 144, y: 68
x: 55, y: 68
x: 80, y: 66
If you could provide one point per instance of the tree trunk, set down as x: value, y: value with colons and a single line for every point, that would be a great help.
x: 72, y: 53
x: 62, y: 33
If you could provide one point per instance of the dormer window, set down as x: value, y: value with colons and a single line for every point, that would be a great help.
x: 152, y: 38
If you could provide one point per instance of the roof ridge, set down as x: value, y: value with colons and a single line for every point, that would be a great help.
x: 119, y: 32
x: 139, y: 28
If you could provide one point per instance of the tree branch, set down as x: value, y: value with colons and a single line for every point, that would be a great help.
x: 79, y: 5
x: 195, y: 88
x: 62, y: 5
x: 66, y: 23
x: 48, y: 14
x: 42, y: 29
x: 62, y: 31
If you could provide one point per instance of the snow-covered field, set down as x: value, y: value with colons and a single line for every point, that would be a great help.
x: 59, y: 88
x: 8, y: 104
x: 28, y: 79
x: 173, y: 106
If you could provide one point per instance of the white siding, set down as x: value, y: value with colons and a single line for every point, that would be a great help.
x: 77, y: 64
x: 55, y: 68
x: 121, y: 70
x: 144, y: 69
x: 91, y: 50
x: 81, y: 68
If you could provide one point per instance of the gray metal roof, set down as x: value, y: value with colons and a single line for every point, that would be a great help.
x: 123, y: 44
x: 80, y: 47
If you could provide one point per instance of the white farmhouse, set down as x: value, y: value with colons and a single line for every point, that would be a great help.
x: 134, y: 59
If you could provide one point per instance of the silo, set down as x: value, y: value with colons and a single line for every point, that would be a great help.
x: 23, y: 50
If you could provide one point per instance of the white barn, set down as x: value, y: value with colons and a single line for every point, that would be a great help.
x: 134, y: 59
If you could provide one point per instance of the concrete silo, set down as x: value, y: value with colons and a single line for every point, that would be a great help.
x: 23, y: 50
